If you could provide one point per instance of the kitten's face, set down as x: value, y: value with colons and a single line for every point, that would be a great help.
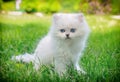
x: 68, y: 26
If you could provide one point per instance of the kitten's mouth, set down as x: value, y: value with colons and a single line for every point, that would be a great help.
x: 67, y: 38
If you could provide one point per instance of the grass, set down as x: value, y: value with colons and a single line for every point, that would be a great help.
x: 20, y: 34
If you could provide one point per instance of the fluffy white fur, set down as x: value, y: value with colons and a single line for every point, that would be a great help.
x: 56, y: 48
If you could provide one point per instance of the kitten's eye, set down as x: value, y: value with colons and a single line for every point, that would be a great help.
x: 72, y: 30
x: 62, y: 30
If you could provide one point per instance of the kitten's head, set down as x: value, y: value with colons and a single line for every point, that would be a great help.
x: 69, y: 26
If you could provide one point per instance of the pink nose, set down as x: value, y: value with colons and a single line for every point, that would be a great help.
x: 67, y: 35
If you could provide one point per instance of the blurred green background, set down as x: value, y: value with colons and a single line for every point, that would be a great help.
x: 53, y: 6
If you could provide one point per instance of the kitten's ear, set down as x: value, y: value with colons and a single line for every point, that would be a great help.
x: 80, y: 17
x: 56, y: 17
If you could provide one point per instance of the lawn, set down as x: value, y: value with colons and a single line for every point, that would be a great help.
x: 20, y: 34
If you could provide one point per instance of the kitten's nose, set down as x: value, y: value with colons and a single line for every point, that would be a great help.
x: 67, y: 35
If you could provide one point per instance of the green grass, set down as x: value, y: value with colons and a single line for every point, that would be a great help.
x: 20, y: 34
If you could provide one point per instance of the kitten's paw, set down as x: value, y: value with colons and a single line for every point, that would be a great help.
x: 82, y: 72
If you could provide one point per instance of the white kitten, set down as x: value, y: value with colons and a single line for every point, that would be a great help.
x: 62, y: 45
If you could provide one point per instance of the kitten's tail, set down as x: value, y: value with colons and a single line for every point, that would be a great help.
x: 27, y: 58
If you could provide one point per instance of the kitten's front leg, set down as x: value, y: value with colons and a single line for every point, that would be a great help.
x: 60, y: 67
x: 77, y: 67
